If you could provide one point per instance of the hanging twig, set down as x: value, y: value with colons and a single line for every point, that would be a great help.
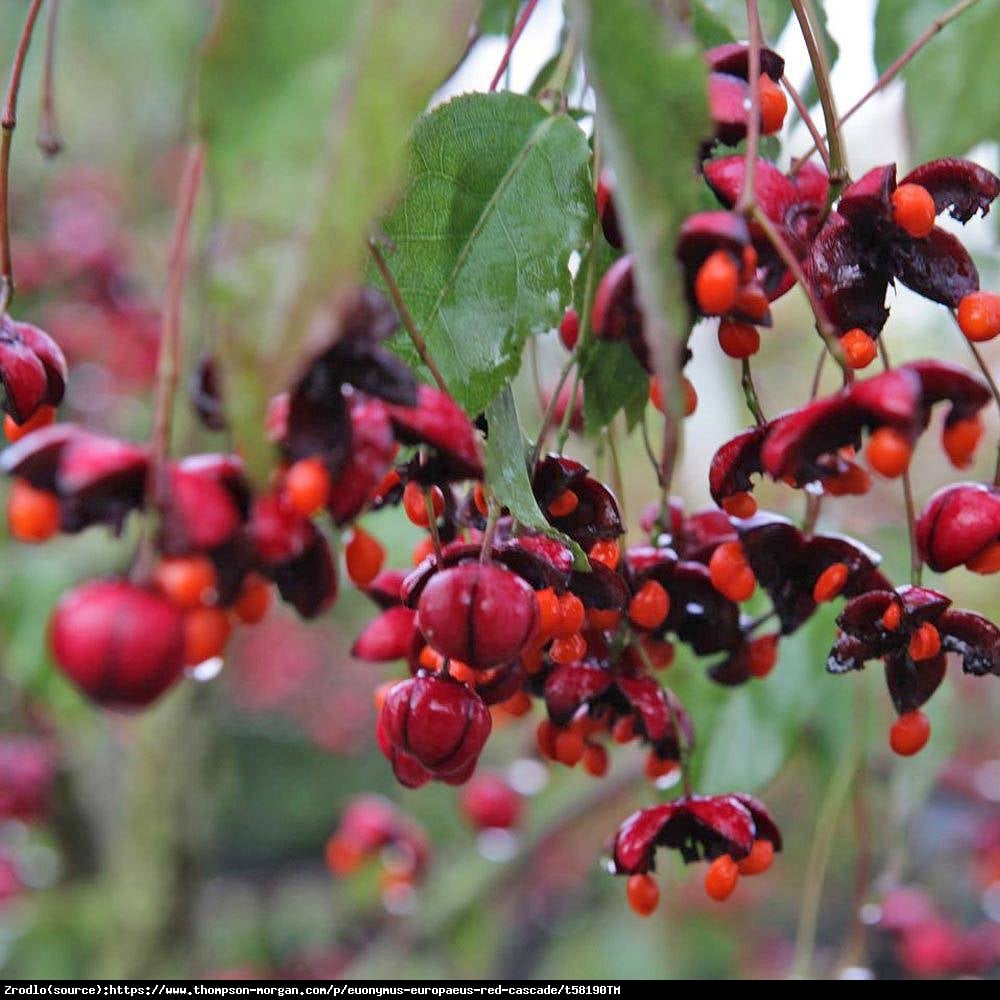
x: 8, y: 122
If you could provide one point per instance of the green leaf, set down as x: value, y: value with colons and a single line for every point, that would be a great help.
x: 612, y: 380
x: 708, y: 27
x: 497, y: 17
x: 748, y: 733
x: 507, y: 471
x: 303, y: 106
x: 652, y: 112
x: 951, y: 84
x: 732, y: 15
x: 499, y: 195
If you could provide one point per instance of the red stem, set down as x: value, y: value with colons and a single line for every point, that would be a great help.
x: 8, y: 122
x: 519, y: 27
x: 168, y: 362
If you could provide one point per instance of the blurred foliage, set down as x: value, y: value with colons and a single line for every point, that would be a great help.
x: 950, y: 85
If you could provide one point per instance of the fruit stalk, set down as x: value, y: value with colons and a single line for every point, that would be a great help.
x: 8, y: 122
x: 821, y: 72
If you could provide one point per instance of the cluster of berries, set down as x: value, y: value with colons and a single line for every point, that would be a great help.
x: 372, y: 827
x: 494, y: 614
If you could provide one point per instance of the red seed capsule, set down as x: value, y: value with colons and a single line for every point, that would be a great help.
x: 121, y: 644
x: 478, y: 613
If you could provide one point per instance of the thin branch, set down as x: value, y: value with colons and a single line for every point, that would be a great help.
x: 616, y: 469
x: 893, y: 71
x: 48, y: 138
x: 821, y: 73
x: 826, y: 329
x: 567, y: 419
x: 824, y: 837
x: 168, y: 362
x: 8, y: 122
x: 916, y: 564
x: 405, y: 316
x: 818, y: 374
x: 746, y: 199
x: 750, y: 394
x: 549, y: 415
x: 819, y: 141
x: 515, y: 35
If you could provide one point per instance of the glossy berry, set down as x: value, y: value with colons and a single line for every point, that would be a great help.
x: 42, y: 417
x: 568, y: 649
x: 122, y: 645
x: 859, y: 349
x: 415, y: 503
x: 716, y: 284
x: 738, y: 340
x: 730, y: 572
x: 649, y: 606
x: 889, y: 452
x: 913, y: 210
x: 595, y: 760
x: 479, y: 613
x: 643, y: 894
x: 254, y: 600
x: 604, y: 619
x: 925, y: 642
x: 549, y: 612
x: 364, y: 556
x: 979, y: 316
x: 690, y: 396
x: 488, y: 802
x: 607, y: 553
x: 759, y: 859
x: 763, y: 655
x: 741, y: 505
x: 569, y: 747
x: 545, y: 738
x: 32, y: 515
x: 206, y: 632
x: 961, y: 439
x: 830, y: 583
x: 909, y: 733
x: 307, y: 486
x: 773, y: 105
x: 572, y: 616
x: 569, y: 329
x: 187, y: 580
x: 892, y: 617
x: 721, y: 878
x: 564, y: 504
x: 623, y: 731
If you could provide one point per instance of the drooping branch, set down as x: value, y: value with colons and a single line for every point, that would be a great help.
x: 8, y: 122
